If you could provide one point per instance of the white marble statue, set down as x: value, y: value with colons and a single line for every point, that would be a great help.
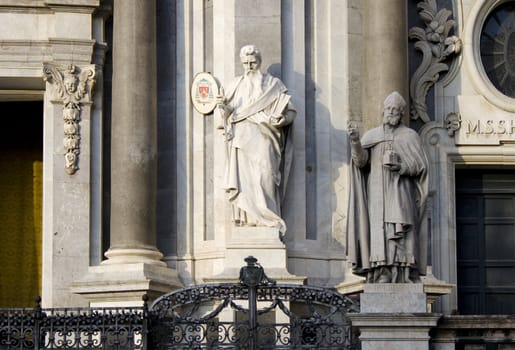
x: 387, y: 218
x: 256, y: 112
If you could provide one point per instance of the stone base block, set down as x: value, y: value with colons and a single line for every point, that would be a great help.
x: 265, y: 245
x: 125, y: 284
x: 432, y: 287
x: 394, y: 331
x: 393, y: 298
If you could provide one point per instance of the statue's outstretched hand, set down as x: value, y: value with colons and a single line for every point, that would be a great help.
x: 353, y: 132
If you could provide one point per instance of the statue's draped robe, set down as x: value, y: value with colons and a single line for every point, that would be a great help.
x: 258, y: 154
x: 388, y: 205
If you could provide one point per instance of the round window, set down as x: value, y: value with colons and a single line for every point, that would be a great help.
x: 498, y: 47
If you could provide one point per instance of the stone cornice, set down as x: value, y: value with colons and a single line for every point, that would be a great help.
x: 72, y: 50
x: 22, y: 4
x: 28, y: 53
x: 48, y: 6
x: 73, y: 3
x: 80, y: 6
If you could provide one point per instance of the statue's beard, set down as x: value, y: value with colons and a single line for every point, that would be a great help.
x: 391, y: 120
x: 253, y: 84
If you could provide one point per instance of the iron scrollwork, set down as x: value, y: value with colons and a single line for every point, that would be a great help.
x: 210, y: 316
x: 217, y: 316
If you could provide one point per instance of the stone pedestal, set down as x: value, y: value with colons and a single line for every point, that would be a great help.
x: 394, y: 331
x: 125, y: 284
x: 265, y: 245
x: 393, y: 298
x: 393, y: 316
x: 432, y: 286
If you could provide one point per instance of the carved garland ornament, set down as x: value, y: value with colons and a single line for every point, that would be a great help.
x: 74, y: 86
x: 436, y: 46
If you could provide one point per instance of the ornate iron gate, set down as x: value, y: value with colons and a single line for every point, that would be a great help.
x: 257, y: 313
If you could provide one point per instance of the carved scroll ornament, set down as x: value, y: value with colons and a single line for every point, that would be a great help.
x: 73, y: 86
x: 436, y: 46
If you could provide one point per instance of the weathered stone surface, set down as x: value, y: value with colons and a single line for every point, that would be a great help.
x: 393, y: 298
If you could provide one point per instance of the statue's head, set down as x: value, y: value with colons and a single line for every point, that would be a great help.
x: 70, y: 80
x: 250, y: 57
x: 394, y: 107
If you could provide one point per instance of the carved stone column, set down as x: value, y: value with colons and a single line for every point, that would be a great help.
x: 385, y: 54
x: 134, y: 134
x: 134, y: 265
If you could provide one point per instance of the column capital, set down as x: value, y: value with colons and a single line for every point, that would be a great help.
x: 72, y: 83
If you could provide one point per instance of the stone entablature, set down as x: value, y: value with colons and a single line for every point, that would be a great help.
x: 48, y: 31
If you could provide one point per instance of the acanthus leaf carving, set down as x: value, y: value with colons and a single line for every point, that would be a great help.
x: 436, y: 47
x: 73, y: 86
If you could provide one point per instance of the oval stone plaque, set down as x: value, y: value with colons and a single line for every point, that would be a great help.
x: 203, y: 92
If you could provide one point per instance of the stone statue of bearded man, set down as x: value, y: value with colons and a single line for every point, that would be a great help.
x: 257, y: 113
x: 387, y: 232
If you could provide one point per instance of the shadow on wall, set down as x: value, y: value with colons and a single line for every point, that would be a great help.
x: 323, y: 177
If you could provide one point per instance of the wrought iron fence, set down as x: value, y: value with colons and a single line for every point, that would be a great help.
x: 256, y: 313
x: 77, y: 328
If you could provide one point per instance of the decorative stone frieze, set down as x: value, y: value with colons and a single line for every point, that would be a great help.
x: 73, y: 87
x: 436, y: 46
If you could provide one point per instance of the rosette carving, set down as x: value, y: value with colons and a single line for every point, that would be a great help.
x: 73, y: 86
x: 436, y: 46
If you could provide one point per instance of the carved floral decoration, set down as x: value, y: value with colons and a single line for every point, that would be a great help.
x: 73, y: 86
x: 436, y: 46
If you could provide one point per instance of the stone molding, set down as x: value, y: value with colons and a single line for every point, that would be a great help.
x: 106, y: 285
x: 74, y: 87
x: 23, y: 54
x: 43, y: 4
x: 394, y: 331
x: 436, y: 46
